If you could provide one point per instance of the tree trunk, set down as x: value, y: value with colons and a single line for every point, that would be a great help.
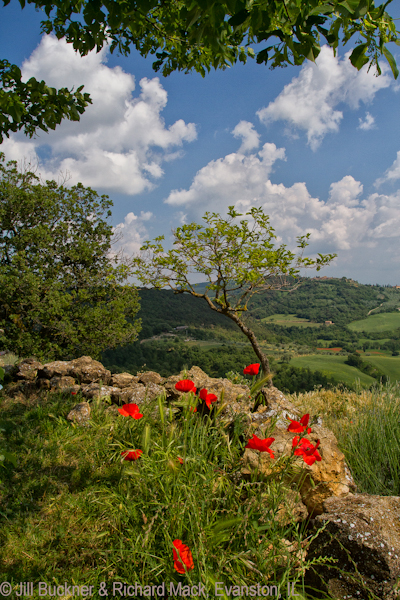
x: 256, y: 347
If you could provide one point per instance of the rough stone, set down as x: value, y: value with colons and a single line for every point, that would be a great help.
x: 28, y: 369
x: 123, y: 380
x: 62, y: 383
x: 95, y: 390
x: 325, y: 478
x: 362, y: 531
x: 80, y: 413
x: 57, y: 368
x: 87, y: 370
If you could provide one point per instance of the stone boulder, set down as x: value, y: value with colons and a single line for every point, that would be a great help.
x: 57, y: 368
x: 123, y: 380
x: 363, y: 533
x: 28, y: 369
x: 87, y: 370
x: 80, y: 414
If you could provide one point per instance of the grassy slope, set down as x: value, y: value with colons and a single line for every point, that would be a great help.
x: 377, y: 323
x: 288, y: 321
x: 333, y: 366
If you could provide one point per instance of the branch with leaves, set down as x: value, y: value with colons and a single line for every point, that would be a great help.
x: 240, y: 259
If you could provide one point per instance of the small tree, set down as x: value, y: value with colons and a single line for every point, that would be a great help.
x: 239, y: 257
x: 60, y: 295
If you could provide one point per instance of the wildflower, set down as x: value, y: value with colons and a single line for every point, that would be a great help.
x: 185, y: 385
x: 131, y: 454
x: 299, y: 427
x: 73, y: 393
x: 208, y: 398
x: 262, y: 445
x: 180, y: 460
x: 182, y: 557
x: 130, y: 410
x: 252, y: 369
x: 306, y: 450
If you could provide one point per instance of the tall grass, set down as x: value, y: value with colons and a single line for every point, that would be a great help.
x: 367, y: 426
x: 74, y: 511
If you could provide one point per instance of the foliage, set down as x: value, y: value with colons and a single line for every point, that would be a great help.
x: 189, y: 36
x: 290, y: 379
x: 60, y: 295
x: 114, y: 520
x: 239, y: 258
x: 355, y: 360
x: 3, y: 454
x: 31, y: 105
x: 203, y: 35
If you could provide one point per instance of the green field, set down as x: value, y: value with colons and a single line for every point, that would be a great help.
x: 333, y: 366
x: 390, y: 365
x: 377, y: 323
x: 289, y: 321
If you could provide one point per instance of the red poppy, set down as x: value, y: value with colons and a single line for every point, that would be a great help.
x: 182, y: 557
x: 185, y: 385
x: 131, y: 454
x: 252, y: 369
x: 192, y: 409
x: 299, y: 427
x: 130, y: 410
x: 180, y: 460
x: 262, y: 445
x: 307, y: 450
x: 208, y: 398
x: 73, y: 393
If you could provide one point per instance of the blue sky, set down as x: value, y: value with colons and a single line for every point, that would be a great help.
x: 317, y: 146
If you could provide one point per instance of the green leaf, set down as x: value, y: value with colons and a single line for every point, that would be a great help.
x: 357, y: 57
x: 391, y: 61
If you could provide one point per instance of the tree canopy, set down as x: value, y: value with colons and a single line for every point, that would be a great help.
x: 194, y: 35
x: 235, y: 257
x: 60, y: 294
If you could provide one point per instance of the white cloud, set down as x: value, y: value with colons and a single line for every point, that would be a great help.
x: 358, y: 229
x: 131, y: 234
x: 250, y: 137
x: 120, y: 142
x: 368, y: 123
x: 309, y: 101
x: 392, y: 173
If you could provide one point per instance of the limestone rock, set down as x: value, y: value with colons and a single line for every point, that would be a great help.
x: 325, y: 478
x: 150, y: 377
x: 58, y: 368
x: 87, y: 370
x: 123, y: 380
x: 364, y: 530
x: 62, y: 383
x: 80, y: 413
x: 236, y: 397
x: 95, y: 390
x: 28, y: 369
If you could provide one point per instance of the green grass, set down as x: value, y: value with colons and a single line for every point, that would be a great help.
x: 333, y: 366
x: 74, y: 511
x: 289, y: 321
x: 367, y: 428
x: 378, y: 323
x: 389, y: 365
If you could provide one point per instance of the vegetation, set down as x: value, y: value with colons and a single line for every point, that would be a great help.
x: 191, y: 37
x: 60, y: 295
x: 69, y: 513
x: 377, y: 323
x: 367, y: 428
x: 236, y: 258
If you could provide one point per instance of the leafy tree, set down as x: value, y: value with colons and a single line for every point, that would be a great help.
x: 196, y: 35
x: 60, y: 295
x: 240, y: 257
